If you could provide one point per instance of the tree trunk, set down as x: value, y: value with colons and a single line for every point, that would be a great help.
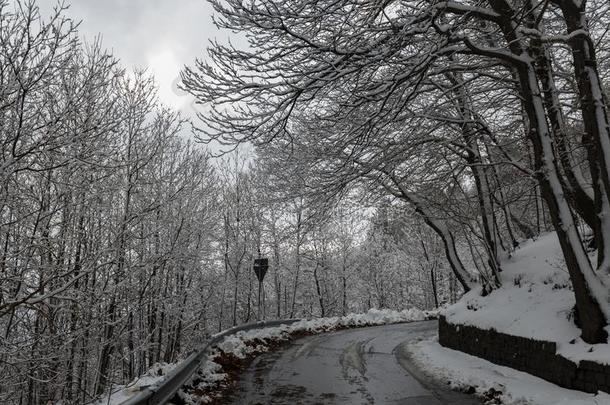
x: 589, y: 291
x: 594, y: 109
x: 585, y: 282
x: 319, y: 291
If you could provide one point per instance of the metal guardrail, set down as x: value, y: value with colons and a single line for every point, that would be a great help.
x: 164, y: 390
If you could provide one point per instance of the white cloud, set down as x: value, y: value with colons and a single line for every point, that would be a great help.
x: 160, y: 35
x: 166, y: 69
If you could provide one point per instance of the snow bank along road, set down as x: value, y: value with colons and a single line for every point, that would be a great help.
x: 357, y: 366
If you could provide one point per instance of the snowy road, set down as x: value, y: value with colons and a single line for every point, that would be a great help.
x: 357, y: 366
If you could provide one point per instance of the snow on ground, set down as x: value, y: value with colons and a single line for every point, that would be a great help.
x: 370, y: 318
x: 247, y: 343
x: 238, y: 346
x: 535, y: 301
x: 122, y: 393
x: 512, y: 387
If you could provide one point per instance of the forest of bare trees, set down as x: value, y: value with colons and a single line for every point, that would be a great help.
x: 124, y: 244
x: 470, y: 112
x: 381, y: 154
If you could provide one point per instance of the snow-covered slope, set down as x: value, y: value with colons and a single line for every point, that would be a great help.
x: 535, y: 301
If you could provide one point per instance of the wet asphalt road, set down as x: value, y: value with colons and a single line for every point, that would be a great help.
x: 356, y: 366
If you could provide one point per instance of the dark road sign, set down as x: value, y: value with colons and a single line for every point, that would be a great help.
x: 260, y: 268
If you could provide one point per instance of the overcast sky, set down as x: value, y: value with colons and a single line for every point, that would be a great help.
x: 162, y: 35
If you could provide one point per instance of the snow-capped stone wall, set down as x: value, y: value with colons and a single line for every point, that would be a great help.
x: 535, y: 357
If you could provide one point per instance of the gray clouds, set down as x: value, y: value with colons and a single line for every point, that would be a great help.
x: 162, y: 35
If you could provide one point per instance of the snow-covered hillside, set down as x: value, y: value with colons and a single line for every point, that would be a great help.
x: 535, y: 301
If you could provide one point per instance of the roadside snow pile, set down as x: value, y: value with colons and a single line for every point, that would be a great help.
x: 371, y: 318
x: 493, y: 383
x: 535, y: 301
x: 232, y: 355
x: 245, y: 343
x: 122, y: 393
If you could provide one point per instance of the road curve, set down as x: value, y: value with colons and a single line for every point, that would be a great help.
x: 355, y: 366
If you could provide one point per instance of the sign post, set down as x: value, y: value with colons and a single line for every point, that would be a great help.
x: 260, y: 269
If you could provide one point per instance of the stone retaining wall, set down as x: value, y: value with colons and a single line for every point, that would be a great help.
x: 535, y: 357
